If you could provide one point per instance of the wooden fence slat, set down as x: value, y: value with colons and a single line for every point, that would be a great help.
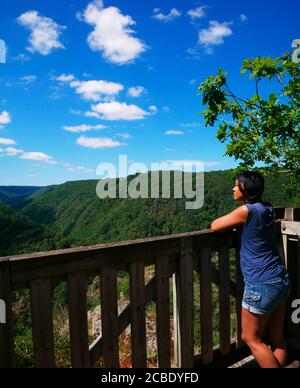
x: 138, y: 315
x: 163, y: 312
x: 79, y: 338
x: 298, y: 286
x: 206, y: 307
x: 185, y: 300
x: 109, y: 317
x: 6, y: 326
x: 42, y: 323
x: 176, y: 328
x: 238, y: 299
x: 224, y: 301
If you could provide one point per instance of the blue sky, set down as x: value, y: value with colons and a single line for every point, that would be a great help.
x: 85, y: 81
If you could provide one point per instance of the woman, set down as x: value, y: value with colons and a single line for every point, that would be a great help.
x: 266, y: 281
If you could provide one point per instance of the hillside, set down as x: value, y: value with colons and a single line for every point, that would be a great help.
x: 4, y: 198
x: 18, y: 191
x: 72, y: 215
x: 18, y: 196
x: 19, y: 234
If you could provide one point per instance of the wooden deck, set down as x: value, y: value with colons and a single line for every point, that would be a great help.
x: 250, y: 363
x: 182, y: 258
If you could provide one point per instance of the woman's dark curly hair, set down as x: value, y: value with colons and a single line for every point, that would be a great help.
x: 252, y: 185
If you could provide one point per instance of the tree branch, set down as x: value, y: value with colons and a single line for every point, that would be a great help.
x: 257, y: 91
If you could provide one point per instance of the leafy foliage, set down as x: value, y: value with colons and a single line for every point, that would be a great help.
x: 263, y: 129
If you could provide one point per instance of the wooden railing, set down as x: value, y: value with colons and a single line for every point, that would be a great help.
x: 184, y: 257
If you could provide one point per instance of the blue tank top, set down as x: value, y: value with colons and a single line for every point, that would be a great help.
x: 259, y: 257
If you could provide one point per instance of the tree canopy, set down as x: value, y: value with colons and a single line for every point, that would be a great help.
x: 264, y: 127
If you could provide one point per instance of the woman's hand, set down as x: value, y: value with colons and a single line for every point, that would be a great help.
x: 231, y: 220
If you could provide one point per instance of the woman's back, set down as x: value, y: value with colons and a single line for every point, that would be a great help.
x: 259, y: 257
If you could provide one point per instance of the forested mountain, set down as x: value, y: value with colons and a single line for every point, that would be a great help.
x: 18, y: 191
x: 19, y: 234
x: 18, y: 196
x: 72, y: 215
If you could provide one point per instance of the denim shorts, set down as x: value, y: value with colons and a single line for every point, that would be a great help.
x: 264, y: 297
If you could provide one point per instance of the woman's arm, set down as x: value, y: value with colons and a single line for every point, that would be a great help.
x: 236, y: 217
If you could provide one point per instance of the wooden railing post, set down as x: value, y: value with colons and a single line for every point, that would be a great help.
x: 176, y: 304
x: 42, y: 323
x: 185, y: 303
x: 163, y: 312
x: 206, y: 306
x: 6, y: 321
x: 238, y: 298
x: 79, y: 337
x: 291, y: 239
x: 109, y: 317
x: 138, y: 315
x: 224, y: 300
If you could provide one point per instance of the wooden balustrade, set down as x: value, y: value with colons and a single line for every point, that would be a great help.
x: 179, y: 257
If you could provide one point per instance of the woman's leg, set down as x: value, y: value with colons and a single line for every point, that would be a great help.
x: 253, y: 327
x: 276, y: 335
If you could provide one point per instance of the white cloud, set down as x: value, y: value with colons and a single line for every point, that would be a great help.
x: 174, y: 133
x: 166, y: 109
x: 65, y: 78
x: 214, y: 35
x: 193, y: 81
x: 119, y: 111
x: 78, y: 169
x: 11, y: 151
x: 212, y: 164
x: 124, y: 136
x: 112, y: 34
x: 188, y: 163
x: 40, y: 156
x: 153, y: 109
x: 92, y: 114
x: 97, y: 142
x: 190, y: 125
x: 5, y: 118
x: 82, y: 128
x: 95, y: 90
x: 194, y: 163
x: 27, y: 79
x: 173, y: 14
x: 197, y: 13
x: 44, y: 32
x: 243, y: 18
x: 136, y: 91
x: 21, y: 58
x: 7, y: 141
x: 75, y: 112
x: 194, y: 53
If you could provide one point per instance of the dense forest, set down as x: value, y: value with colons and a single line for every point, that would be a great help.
x: 71, y: 214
